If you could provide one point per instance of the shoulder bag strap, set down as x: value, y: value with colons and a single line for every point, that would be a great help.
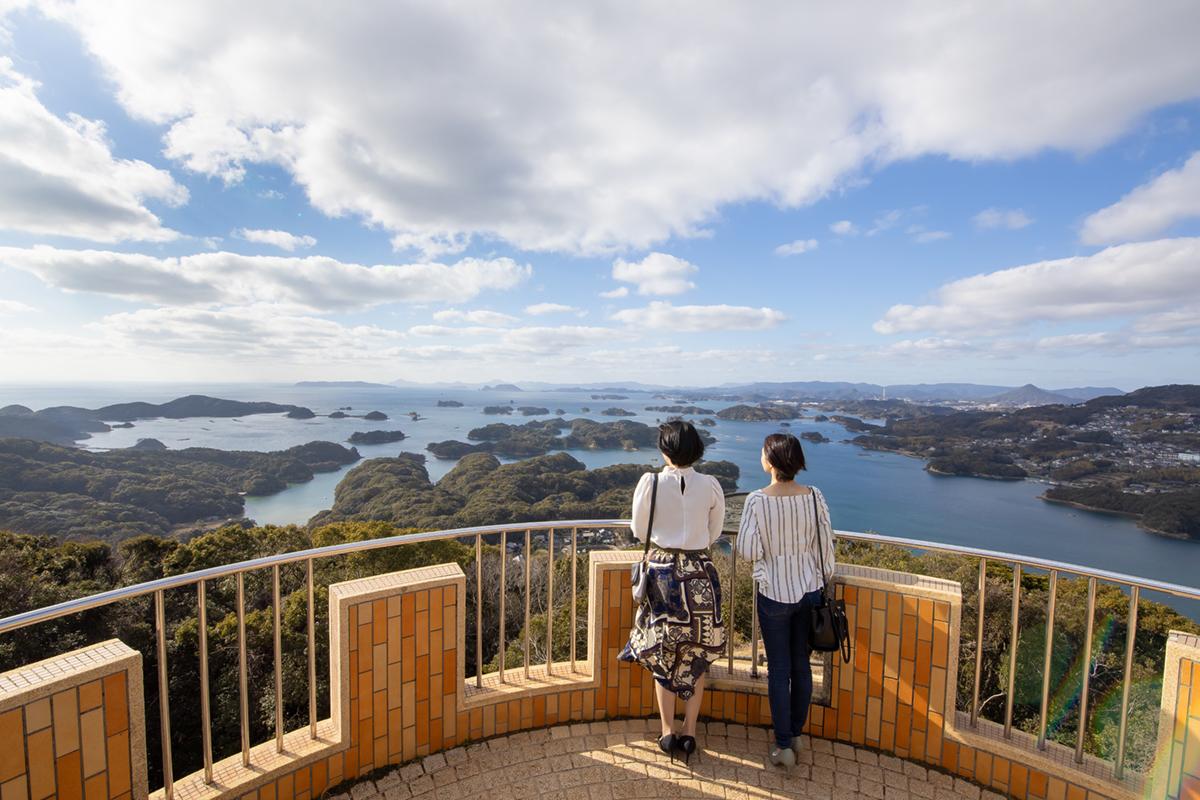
x: 650, y: 524
x: 820, y: 549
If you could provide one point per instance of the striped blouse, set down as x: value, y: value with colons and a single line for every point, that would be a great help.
x: 777, y: 534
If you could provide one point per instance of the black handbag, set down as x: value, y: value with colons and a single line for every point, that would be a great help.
x: 829, y: 630
x: 640, y: 573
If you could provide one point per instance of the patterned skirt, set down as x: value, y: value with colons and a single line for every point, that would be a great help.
x: 678, y: 631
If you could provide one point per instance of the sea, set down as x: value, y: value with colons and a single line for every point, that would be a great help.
x: 867, y: 490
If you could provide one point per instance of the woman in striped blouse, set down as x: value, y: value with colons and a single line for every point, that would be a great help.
x: 785, y: 532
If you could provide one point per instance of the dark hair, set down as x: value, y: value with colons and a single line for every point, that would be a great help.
x: 785, y: 454
x: 679, y: 441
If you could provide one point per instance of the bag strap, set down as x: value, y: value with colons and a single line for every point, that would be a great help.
x: 650, y: 525
x: 820, y: 550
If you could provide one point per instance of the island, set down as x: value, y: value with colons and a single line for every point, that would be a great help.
x: 814, y: 436
x: 1112, y: 453
x: 376, y: 437
x: 375, y: 416
x: 145, y: 489
x: 609, y: 397
x: 68, y: 424
x: 532, y: 411
x: 498, y: 410
x: 449, y: 404
x: 543, y: 436
x: 480, y: 490
x: 680, y: 409
x: 617, y: 412
x: 501, y: 387
x: 760, y: 413
x: 338, y: 415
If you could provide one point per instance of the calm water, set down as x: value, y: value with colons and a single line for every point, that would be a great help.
x: 880, y: 492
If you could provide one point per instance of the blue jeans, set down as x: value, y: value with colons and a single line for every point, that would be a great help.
x: 784, y: 629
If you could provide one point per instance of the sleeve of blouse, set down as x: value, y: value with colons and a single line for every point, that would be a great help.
x: 749, y: 545
x: 827, y: 535
x: 716, y: 513
x: 640, y: 518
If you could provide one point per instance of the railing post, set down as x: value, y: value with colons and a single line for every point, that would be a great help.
x: 1087, y: 670
x: 982, y: 601
x: 503, y: 598
x: 574, y: 592
x: 478, y: 610
x: 732, y: 606
x: 1013, y: 642
x: 528, y: 584
x: 277, y: 625
x: 1130, y: 634
x: 164, y: 705
x: 549, y: 601
x: 1047, y: 659
x: 205, y: 711
x: 243, y: 680
x: 312, y: 654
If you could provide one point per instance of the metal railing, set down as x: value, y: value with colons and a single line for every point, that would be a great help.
x: 198, y: 581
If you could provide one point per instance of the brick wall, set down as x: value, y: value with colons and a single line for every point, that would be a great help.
x: 1179, y: 726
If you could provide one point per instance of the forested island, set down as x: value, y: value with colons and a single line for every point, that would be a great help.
x: 376, y: 437
x: 766, y: 412
x: 67, y: 424
x: 76, y: 494
x: 1118, y: 454
x: 696, y: 411
x: 542, y: 436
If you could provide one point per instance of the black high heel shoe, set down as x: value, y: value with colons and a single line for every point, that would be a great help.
x: 668, y: 744
x: 687, y: 746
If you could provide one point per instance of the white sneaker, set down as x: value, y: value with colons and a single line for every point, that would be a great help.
x: 781, y: 756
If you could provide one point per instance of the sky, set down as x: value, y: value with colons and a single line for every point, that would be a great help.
x: 679, y: 193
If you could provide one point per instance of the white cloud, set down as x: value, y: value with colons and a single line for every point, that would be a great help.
x: 60, y: 177
x: 610, y: 131
x: 1010, y: 219
x: 613, y: 294
x: 538, y: 309
x: 314, y: 282
x: 885, y: 221
x: 1149, y: 209
x: 925, y: 237
x: 14, y: 307
x: 797, y: 247
x: 281, y: 239
x: 1123, y: 280
x: 661, y: 315
x: 657, y: 273
x: 844, y: 227
x: 479, y: 316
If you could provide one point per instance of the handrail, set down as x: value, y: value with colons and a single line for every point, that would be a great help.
x: 47, y: 613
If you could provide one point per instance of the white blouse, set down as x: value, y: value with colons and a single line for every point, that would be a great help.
x: 778, y: 535
x: 688, y: 513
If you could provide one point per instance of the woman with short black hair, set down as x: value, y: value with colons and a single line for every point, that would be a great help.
x: 786, y: 533
x: 678, y: 630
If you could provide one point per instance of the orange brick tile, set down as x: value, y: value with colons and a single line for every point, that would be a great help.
x: 303, y: 780
x: 941, y: 644
x: 37, y: 715
x: 950, y: 756
x: 118, y: 764
x: 850, y: 594
x: 983, y: 768
x: 921, y: 674
x: 1075, y: 792
x: 925, y: 619
x: 893, y: 615
x: 1037, y: 784
x: 394, y: 639
x: 422, y: 678
x: 908, y: 637
x: 65, y: 709
x: 92, y: 735
x: 1000, y: 771
x: 379, y: 620
x: 116, y: 704
x: 422, y: 596
x: 887, y: 736
x: 966, y: 761
x: 320, y: 777
x: 95, y: 788
x: 380, y: 746
x: 285, y: 787
x: 267, y: 792
x: 422, y: 633
x: 40, y: 751
x: 69, y: 777
x: 435, y: 603
x: 352, y: 618
x: 12, y: 759
x: 408, y: 614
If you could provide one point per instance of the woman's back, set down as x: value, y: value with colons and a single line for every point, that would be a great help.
x: 688, y: 511
x: 787, y: 536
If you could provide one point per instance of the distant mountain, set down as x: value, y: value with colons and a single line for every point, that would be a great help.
x: 344, y: 384
x: 1082, y: 393
x: 1030, y: 395
x: 193, y: 405
x: 929, y: 392
x: 501, y: 387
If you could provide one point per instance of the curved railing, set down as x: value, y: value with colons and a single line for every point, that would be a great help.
x: 501, y: 533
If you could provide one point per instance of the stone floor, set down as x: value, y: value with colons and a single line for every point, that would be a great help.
x: 613, y: 760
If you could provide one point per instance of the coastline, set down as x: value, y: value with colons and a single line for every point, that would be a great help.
x: 1127, y: 514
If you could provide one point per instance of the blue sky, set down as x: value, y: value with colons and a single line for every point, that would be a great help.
x: 288, y: 192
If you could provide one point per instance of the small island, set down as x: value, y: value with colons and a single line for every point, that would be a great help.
x: 338, y: 415
x: 376, y: 437
x: 375, y: 416
x: 609, y: 397
x: 501, y: 387
x: 761, y: 413
x: 815, y: 437
x: 498, y: 410
x: 449, y: 404
x: 617, y: 412
x: 532, y: 411
x: 679, y: 409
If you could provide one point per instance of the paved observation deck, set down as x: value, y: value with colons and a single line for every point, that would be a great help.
x: 620, y: 759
